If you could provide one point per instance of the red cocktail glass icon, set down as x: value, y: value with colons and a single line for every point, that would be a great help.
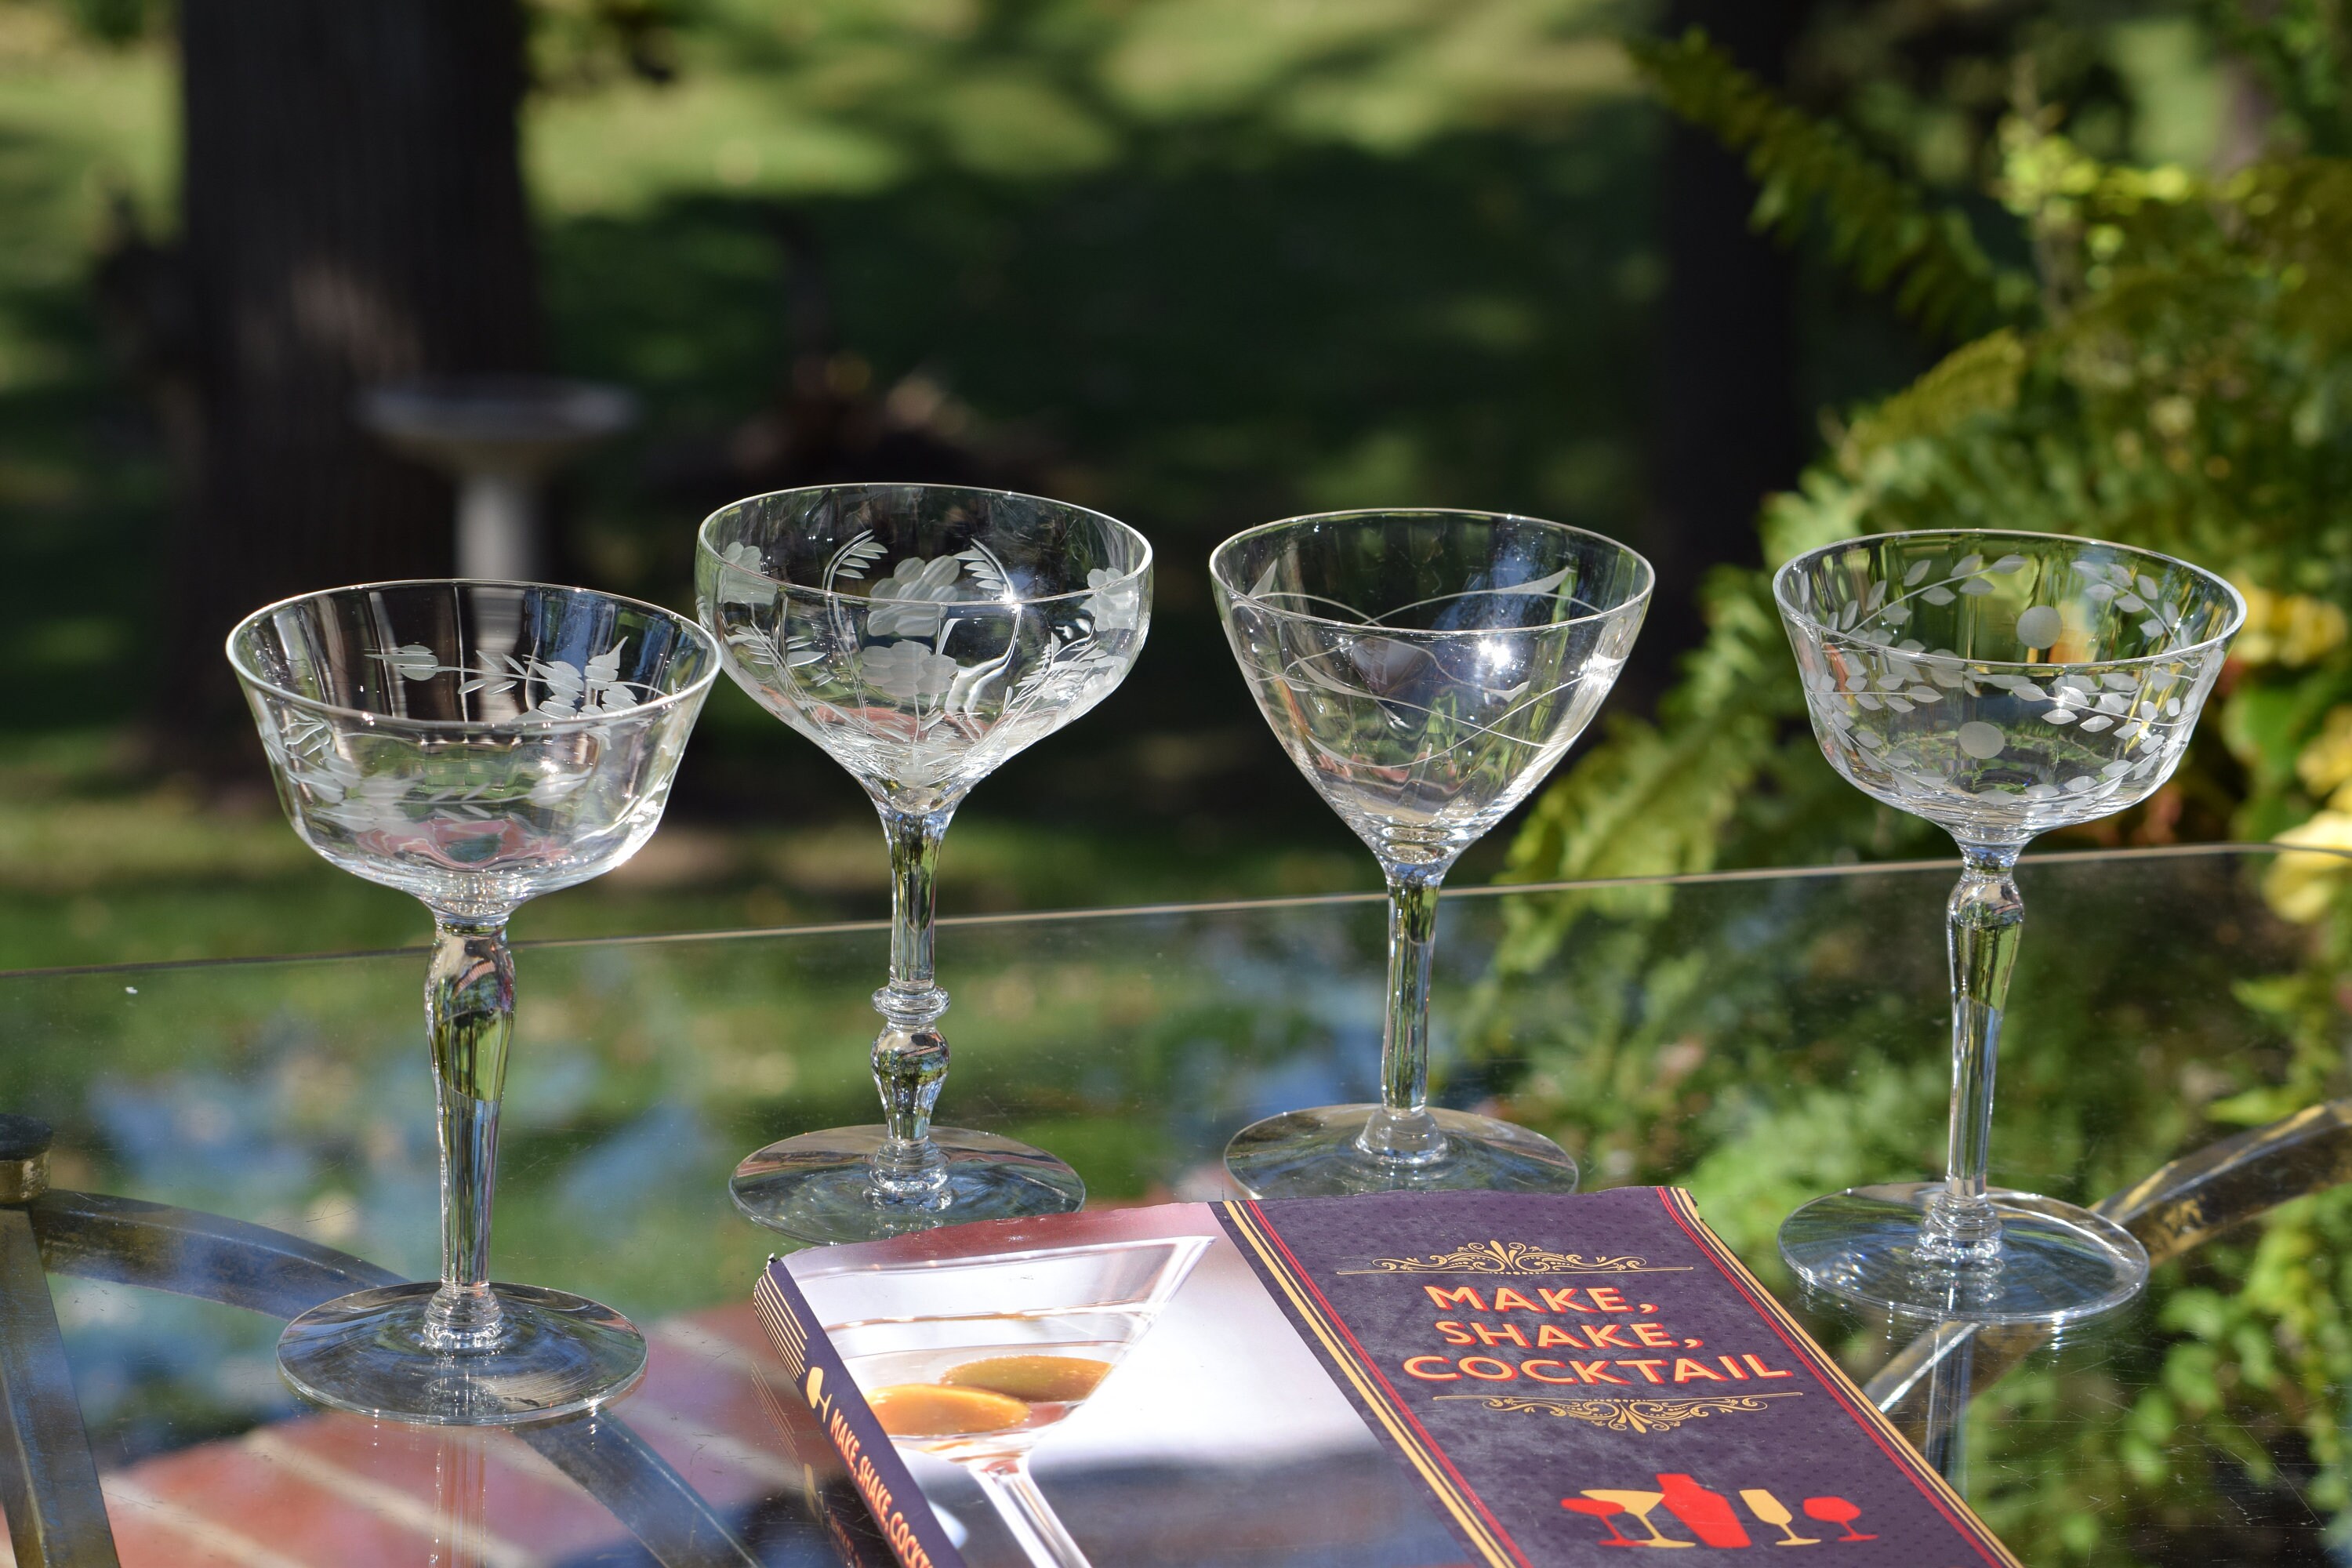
x: 1838, y: 1511
x: 1600, y: 1509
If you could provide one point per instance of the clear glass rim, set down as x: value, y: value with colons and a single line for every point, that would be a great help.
x: 1218, y: 561
x: 1136, y: 573
x: 1788, y: 568
x: 558, y: 723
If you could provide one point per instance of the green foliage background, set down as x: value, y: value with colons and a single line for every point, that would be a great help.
x: 1198, y: 262
x: 1428, y: 221
x: 2164, y: 363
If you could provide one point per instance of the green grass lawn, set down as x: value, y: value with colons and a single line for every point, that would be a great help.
x: 1212, y: 313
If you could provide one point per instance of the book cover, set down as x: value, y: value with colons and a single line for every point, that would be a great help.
x: 1555, y: 1379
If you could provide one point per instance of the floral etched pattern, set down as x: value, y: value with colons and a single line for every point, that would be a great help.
x: 446, y: 800
x: 909, y: 673
x: 1117, y: 603
x: 2082, y: 678
x: 450, y: 801
x: 939, y: 671
x: 910, y: 602
x: 565, y: 690
x: 541, y: 780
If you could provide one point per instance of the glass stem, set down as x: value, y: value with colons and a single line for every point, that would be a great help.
x: 1027, y: 1514
x: 910, y: 1058
x: 469, y: 1019
x: 1402, y: 1132
x: 1986, y: 916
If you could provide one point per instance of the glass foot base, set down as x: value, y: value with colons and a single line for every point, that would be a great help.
x: 2058, y: 1262
x: 1313, y: 1155
x: 365, y: 1352
x: 819, y: 1187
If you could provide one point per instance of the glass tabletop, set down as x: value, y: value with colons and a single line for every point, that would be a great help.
x: 1757, y: 1037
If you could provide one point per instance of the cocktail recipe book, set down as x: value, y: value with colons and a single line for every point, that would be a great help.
x: 1393, y: 1381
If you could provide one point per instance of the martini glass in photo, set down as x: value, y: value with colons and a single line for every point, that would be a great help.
x: 920, y: 635
x: 1425, y: 670
x: 474, y: 744
x: 1999, y: 685
x: 1033, y: 1337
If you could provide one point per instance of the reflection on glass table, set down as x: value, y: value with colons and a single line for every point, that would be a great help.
x: 1757, y: 1038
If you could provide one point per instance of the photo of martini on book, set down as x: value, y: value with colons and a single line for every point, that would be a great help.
x: 1126, y: 1395
x: 978, y: 1387
x: 1386, y: 1380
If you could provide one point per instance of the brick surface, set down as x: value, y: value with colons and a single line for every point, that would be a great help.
x: 141, y: 1541
x: 522, y: 1499
x: 717, y: 1395
x: 246, y: 1496
x: 341, y: 1491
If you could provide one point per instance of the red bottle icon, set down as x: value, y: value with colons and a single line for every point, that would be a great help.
x: 1707, y: 1513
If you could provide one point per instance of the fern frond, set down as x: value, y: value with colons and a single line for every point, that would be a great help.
x: 1879, y: 225
x: 1654, y: 799
x: 1976, y: 378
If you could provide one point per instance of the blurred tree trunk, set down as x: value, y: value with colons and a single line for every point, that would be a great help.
x: 1727, y: 431
x: 353, y: 212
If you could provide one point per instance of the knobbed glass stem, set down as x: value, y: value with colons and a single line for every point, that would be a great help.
x: 469, y: 1021
x: 1402, y: 1132
x: 910, y: 1058
x: 1027, y: 1514
x: 1986, y: 916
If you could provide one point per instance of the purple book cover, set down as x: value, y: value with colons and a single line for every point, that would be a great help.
x: 1207, y: 1385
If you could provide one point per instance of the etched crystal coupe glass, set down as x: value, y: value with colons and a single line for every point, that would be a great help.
x: 1424, y: 671
x: 920, y: 635
x: 474, y: 744
x: 1033, y: 1337
x: 1999, y: 685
